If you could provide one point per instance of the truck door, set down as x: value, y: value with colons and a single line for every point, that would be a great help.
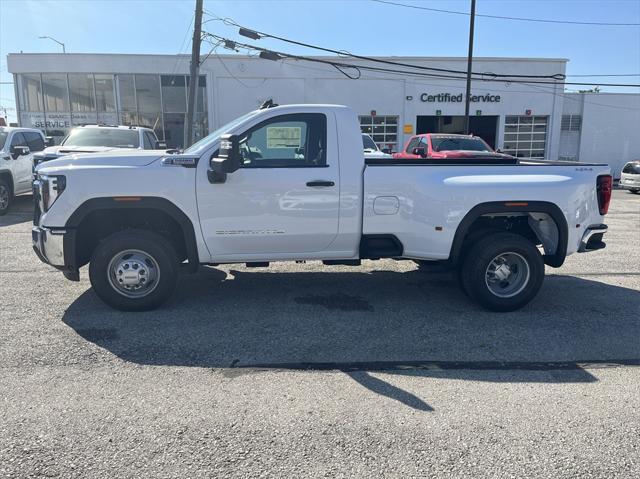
x: 284, y: 198
x: 21, y: 165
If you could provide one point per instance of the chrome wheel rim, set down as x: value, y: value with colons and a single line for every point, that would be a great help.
x: 133, y: 273
x: 4, y: 197
x: 507, y: 274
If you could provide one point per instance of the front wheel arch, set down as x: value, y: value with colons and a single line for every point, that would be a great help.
x: 104, y: 206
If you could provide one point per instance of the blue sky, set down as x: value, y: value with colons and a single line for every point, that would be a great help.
x: 360, y: 26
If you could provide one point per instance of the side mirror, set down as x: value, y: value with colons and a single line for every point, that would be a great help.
x: 160, y: 145
x: 227, y: 161
x: 420, y: 151
x: 17, y: 151
x: 49, y: 141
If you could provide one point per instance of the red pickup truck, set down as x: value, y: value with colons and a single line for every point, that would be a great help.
x: 446, y: 146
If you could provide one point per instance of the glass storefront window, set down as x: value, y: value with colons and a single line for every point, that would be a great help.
x: 60, y: 101
x: 174, y: 129
x: 128, y: 118
x: 105, y: 97
x: 151, y: 120
x: 148, y: 93
x: 81, y: 92
x: 54, y: 87
x: 31, y: 92
x: 174, y: 93
x: 126, y: 93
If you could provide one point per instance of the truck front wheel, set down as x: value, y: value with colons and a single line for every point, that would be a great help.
x: 134, y: 270
x: 503, y: 271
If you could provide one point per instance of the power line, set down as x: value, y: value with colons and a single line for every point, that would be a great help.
x: 280, y: 55
x: 258, y: 34
x: 501, y: 17
x: 343, y: 53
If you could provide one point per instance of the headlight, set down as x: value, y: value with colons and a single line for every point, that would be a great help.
x: 47, y: 189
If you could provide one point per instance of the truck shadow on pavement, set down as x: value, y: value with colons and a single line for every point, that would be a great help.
x: 381, y: 322
x: 21, y: 211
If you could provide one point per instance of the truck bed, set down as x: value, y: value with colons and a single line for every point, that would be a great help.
x: 423, y: 207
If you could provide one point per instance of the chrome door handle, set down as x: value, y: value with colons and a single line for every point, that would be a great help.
x: 320, y: 183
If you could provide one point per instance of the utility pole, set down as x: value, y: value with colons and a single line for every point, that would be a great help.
x: 193, y: 81
x: 469, y: 64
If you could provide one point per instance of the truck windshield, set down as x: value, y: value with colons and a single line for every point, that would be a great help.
x: 103, y: 137
x: 203, y: 144
x: 3, y: 138
x: 465, y: 144
x: 368, y: 143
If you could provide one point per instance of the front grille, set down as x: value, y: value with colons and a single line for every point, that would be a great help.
x: 36, y: 201
x: 36, y: 211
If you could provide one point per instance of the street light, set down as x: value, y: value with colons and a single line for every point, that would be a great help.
x: 59, y: 43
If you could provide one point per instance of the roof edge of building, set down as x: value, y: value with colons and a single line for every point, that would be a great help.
x: 382, y: 57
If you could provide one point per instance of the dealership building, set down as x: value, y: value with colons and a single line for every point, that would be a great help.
x: 55, y: 92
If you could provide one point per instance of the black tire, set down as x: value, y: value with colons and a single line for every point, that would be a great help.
x: 6, y: 196
x: 635, y: 192
x: 476, y: 264
x: 162, y: 262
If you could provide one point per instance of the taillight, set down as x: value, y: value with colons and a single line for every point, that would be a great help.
x: 603, y: 188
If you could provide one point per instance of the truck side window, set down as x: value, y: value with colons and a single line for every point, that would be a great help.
x: 147, y: 142
x: 412, y: 144
x: 18, y: 140
x: 286, y: 141
x: 34, y: 141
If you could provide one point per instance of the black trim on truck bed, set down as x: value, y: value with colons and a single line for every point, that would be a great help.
x: 479, y: 161
x: 380, y: 246
x: 476, y: 161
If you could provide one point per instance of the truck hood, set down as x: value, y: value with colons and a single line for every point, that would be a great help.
x: 114, y: 158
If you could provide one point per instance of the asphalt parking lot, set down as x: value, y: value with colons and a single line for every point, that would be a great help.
x: 298, y: 370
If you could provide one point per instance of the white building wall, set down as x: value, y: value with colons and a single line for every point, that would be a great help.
x: 236, y: 84
x: 610, y: 127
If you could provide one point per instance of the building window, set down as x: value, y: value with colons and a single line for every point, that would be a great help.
x: 525, y: 136
x: 383, y: 129
x: 148, y: 101
x: 81, y: 92
x: 105, y: 97
x: 31, y: 92
x: 127, y: 100
x: 175, y: 90
x: 571, y: 122
x: 57, y: 102
x: 174, y: 93
x: 56, y: 94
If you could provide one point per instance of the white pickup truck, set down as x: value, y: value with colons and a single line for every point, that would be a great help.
x: 291, y: 183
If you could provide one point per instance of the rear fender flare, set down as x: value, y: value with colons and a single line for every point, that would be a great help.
x: 519, y: 206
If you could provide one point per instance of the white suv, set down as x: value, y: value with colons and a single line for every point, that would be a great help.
x: 102, y: 138
x: 630, y: 177
x: 17, y: 146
